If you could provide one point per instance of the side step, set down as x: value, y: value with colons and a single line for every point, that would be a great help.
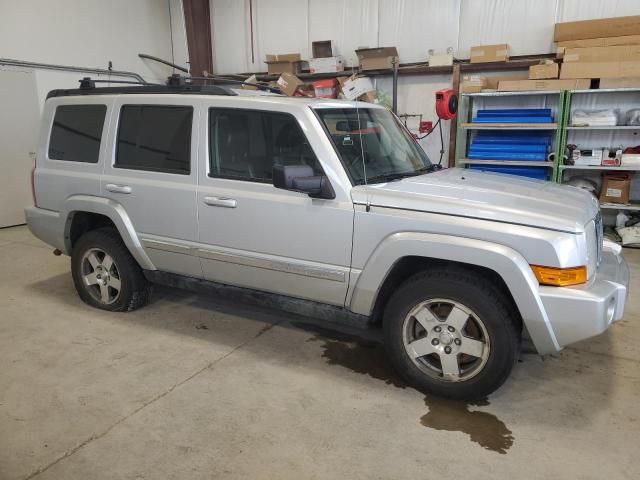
x: 297, y: 306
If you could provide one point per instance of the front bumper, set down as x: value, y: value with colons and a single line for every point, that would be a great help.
x: 583, y: 311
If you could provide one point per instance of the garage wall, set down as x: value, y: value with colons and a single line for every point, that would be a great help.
x: 89, y: 33
x: 84, y: 33
x: 413, y: 26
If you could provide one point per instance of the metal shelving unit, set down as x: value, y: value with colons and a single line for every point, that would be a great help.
x: 509, y: 126
x: 617, y: 206
x: 466, y: 127
x: 512, y: 163
x: 612, y: 127
x: 570, y: 129
x: 599, y: 167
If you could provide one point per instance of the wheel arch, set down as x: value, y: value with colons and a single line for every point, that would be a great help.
x: 403, y: 254
x: 84, y: 213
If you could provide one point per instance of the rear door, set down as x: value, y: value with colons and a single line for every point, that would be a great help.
x: 151, y: 172
x: 255, y: 235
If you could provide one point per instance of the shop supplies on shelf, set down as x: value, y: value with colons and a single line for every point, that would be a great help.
x: 633, y: 116
x: 510, y: 145
x: 595, y: 118
x: 630, y: 236
x: 514, y: 115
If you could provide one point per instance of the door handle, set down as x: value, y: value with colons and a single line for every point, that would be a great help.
x: 112, y: 187
x: 221, y: 202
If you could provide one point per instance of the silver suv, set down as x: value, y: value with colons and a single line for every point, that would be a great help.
x: 323, y: 203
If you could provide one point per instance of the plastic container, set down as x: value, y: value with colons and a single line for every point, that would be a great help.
x: 326, y: 88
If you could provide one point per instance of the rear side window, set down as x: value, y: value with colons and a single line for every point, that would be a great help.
x: 155, y: 138
x: 76, y: 133
x: 246, y: 144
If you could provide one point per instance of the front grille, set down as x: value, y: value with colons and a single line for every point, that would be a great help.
x: 599, y: 237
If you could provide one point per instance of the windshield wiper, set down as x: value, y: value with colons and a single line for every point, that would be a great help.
x: 387, y: 177
x: 390, y: 177
x: 428, y: 169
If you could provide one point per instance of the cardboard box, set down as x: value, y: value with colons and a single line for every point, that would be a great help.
x: 601, y: 42
x: 377, y: 58
x: 627, y: 82
x: 490, y: 53
x: 524, y: 85
x: 493, y: 82
x: 326, y: 65
x: 600, y: 70
x: 548, y: 69
x: 560, y: 52
x: 356, y: 86
x: 440, y: 59
x: 322, y: 49
x: 615, y: 187
x: 604, y: 27
x: 286, y: 62
x: 473, y: 84
x: 288, y: 83
x: 253, y: 80
x: 603, y: 54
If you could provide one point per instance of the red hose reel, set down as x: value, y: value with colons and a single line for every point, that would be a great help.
x: 446, y: 104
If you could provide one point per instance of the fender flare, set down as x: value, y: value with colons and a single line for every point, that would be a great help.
x: 506, y: 262
x: 116, y: 213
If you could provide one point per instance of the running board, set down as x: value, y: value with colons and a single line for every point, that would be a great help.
x: 297, y: 306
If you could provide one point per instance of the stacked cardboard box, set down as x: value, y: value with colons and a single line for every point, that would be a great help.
x: 324, y: 61
x: 490, y: 53
x: 607, y: 49
x: 284, y: 62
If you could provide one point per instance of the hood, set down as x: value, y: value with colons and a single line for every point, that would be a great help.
x: 488, y: 196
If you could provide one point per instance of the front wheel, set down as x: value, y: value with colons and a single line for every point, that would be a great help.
x: 451, y: 333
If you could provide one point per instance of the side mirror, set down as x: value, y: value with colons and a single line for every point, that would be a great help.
x: 301, y: 178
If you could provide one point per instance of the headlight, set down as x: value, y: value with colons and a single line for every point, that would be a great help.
x: 560, y: 277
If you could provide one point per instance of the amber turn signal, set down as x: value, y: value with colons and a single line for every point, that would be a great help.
x: 560, y: 277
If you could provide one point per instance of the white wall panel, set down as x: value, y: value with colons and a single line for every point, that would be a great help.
x: 349, y: 23
x: 415, y: 26
x: 417, y: 97
x: 526, y: 25
x: 280, y: 26
x: 230, y: 32
x: 88, y: 33
x: 572, y: 10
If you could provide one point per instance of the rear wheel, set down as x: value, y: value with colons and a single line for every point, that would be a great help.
x: 450, y: 332
x: 105, y: 274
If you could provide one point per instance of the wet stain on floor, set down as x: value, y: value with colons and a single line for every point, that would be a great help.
x: 361, y: 357
x: 483, y: 428
x: 368, y: 358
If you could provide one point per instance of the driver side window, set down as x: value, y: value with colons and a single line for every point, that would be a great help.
x: 246, y: 144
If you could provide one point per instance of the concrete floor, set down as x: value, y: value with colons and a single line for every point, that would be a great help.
x: 192, y: 387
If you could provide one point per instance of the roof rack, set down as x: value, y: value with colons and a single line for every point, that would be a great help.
x: 175, y: 84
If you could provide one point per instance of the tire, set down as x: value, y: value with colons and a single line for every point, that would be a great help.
x: 447, y: 320
x: 105, y: 274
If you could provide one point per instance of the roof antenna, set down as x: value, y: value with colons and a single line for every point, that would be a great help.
x: 364, y: 164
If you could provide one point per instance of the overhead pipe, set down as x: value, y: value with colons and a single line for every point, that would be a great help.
x: 165, y: 62
x: 69, y: 68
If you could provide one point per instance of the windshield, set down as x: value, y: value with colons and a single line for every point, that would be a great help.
x: 390, y: 152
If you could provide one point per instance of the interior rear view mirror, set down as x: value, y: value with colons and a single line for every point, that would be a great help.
x: 301, y: 178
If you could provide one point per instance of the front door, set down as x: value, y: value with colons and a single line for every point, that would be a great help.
x: 151, y: 171
x: 254, y: 235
